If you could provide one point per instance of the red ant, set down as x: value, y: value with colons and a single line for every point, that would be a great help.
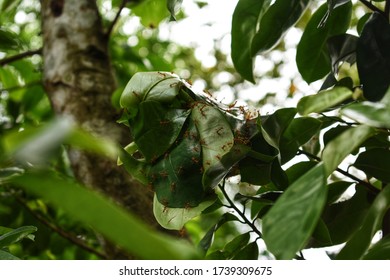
x: 162, y: 74
x: 219, y: 131
x: 165, y: 122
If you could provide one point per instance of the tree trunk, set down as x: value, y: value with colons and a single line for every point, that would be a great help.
x: 79, y: 81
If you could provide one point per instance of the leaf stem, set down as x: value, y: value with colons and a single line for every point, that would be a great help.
x: 373, y: 8
x: 241, y: 214
x: 117, y: 16
x: 68, y: 236
x: 345, y: 173
x: 10, y: 59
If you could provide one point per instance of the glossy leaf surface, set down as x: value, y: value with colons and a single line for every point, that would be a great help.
x: 291, y: 221
x: 344, y: 144
x: 244, y: 25
x: 323, y: 100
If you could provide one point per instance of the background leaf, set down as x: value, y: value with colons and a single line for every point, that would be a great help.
x: 244, y: 25
x: 174, y: 7
x: 7, y: 256
x: 312, y: 56
x: 104, y: 216
x: 16, y: 235
x: 151, y: 12
x: 276, y: 21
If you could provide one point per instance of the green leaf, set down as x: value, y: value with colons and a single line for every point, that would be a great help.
x: 106, y: 217
x: 8, y: 40
x: 375, y: 163
x: 300, y: 131
x: 206, y: 241
x: 16, y: 235
x: 358, y: 245
x: 342, y: 48
x: 362, y: 22
x: 37, y: 145
x: 173, y: 7
x: 244, y: 27
x: 312, y: 56
x: 255, y: 172
x: 158, y: 86
x: 273, y: 126
x: 151, y: 12
x: 379, y: 251
x: 332, y: 4
x: 216, y: 136
x: 177, y: 177
x: 4, y: 255
x: 216, y: 172
x: 344, y: 218
x: 323, y: 100
x: 176, y: 218
x: 320, y: 237
x: 340, y: 147
x: 156, y: 128
x: 369, y: 113
x: 275, y: 23
x: 373, y: 59
x: 336, y: 190
x: 7, y: 173
x: 235, y: 245
x: 249, y: 252
x: 292, y: 220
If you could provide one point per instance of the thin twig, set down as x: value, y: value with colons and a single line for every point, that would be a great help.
x: 18, y: 56
x: 117, y: 16
x: 372, y: 7
x: 345, y: 173
x: 232, y: 205
x: 68, y: 236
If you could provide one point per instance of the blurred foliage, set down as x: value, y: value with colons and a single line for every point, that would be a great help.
x: 288, y: 202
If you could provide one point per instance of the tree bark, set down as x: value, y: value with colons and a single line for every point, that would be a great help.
x: 79, y: 80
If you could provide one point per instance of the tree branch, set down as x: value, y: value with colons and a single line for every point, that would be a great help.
x: 372, y: 7
x: 117, y: 16
x: 68, y: 236
x: 232, y: 205
x: 16, y: 57
x: 345, y: 173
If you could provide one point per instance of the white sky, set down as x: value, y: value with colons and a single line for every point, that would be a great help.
x: 202, y: 26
